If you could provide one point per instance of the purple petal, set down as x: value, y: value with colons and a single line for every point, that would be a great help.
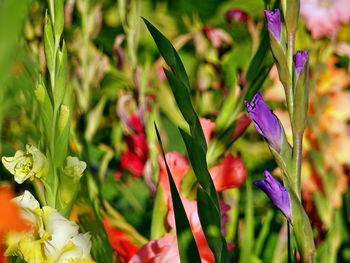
x: 265, y: 121
x: 300, y: 59
x: 273, y: 19
x: 277, y: 193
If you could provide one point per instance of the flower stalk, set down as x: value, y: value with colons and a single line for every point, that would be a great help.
x: 293, y: 73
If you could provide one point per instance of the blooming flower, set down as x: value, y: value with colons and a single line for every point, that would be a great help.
x: 273, y: 19
x: 52, y: 239
x: 277, y: 193
x: 265, y: 121
x: 230, y: 173
x: 120, y: 242
x: 324, y: 17
x: 26, y: 164
x: 300, y: 59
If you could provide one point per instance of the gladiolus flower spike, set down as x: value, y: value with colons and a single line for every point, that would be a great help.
x: 277, y: 193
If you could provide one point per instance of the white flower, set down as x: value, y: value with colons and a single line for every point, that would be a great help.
x: 54, y: 238
x: 74, y: 167
x: 26, y: 164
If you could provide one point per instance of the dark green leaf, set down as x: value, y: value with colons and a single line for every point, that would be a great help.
x: 187, y: 246
x: 169, y: 53
x: 211, y: 226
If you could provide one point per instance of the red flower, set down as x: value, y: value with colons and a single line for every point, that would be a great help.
x: 135, y: 157
x: 120, y: 242
x: 230, y: 173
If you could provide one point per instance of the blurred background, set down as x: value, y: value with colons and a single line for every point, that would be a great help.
x: 116, y: 89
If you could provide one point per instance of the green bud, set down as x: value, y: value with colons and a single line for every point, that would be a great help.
x: 62, y: 137
x: 70, y: 183
x: 279, y: 51
x: 49, y: 44
x: 45, y: 106
x: 61, y: 75
x: 301, y: 97
x: 59, y: 17
x: 63, y: 118
x: 291, y: 9
x: 26, y: 164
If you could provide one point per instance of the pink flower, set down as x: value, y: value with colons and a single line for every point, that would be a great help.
x: 161, y: 250
x: 324, y: 17
x: 208, y: 127
x: 230, y: 173
x: 217, y: 36
x: 178, y: 167
x: 192, y: 214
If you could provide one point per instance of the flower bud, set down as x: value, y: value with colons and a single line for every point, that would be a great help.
x: 26, y: 164
x: 74, y: 167
x: 273, y: 19
x: 300, y: 59
x: 277, y: 193
x: 265, y: 121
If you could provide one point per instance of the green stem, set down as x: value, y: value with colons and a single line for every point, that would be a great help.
x: 289, y: 246
x: 290, y: 90
x: 297, y: 160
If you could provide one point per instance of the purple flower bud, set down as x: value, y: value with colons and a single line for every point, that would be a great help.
x: 300, y: 59
x: 277, y: 193
x: 265, y: 121
x: 273, y: 19
x: 236, y: 15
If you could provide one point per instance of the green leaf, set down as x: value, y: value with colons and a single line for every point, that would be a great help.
x: 62, y: 135
x: 211, y: 226
x: 59, y: 17
x: 187, y: 246
x: 248, y: 230
x: 183, y: 100
x: 61, y: 76
x: 179, y: 83
x: 198, y: 161
x: 159, y: 214
x: 169, y: 53
x: 49, y: 44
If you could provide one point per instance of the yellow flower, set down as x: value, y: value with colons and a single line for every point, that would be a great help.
x: 26, y: 164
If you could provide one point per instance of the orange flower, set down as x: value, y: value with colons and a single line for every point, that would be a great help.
x: 120, y: 242
x: 10, y: 218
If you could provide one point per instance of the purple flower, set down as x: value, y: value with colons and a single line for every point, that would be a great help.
x: 236, y: 15
x: 277, y: 193
x: 300, y: 59
x: 273, y: 19
x: 265, y: 121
